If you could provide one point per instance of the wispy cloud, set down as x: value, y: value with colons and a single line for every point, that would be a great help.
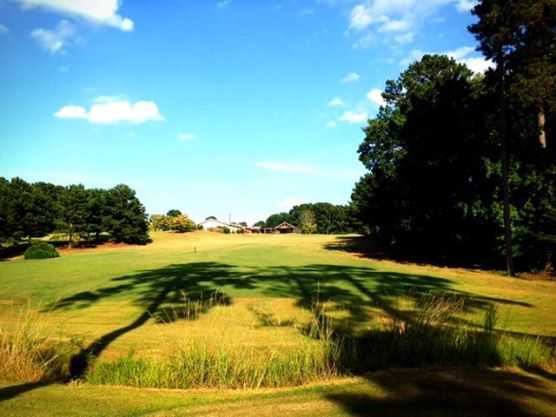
x: 3, y: 29
x: 186, y: 136
x: 395, y: 20
x: 102, y: 12
x: 354, y: 117
x: 111, y: 110
x: 336, y: 102
x: 350, y: 77
x: 56, y: 39
x: 331, y: 124
x: 305, y: 169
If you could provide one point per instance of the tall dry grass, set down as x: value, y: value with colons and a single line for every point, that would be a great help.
x: 30, y: 352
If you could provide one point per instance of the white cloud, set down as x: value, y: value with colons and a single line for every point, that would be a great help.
x: 71, y: 112
x: 474, y: 63
x: 466, y: 5
x: 350, y: 77
x: 110, y: 110
x: 360, y: 17
x: 3, y: 29
x: 54, y: 40
x: 336, y: 102
x: 477, y: 65
x: 354, y: 117
x: 394, y: 26
x: 331, y: 124
x: 396, y: 20
x: 186, y: 136
x: 306, y: 169
x: 462, y: 55
x: 375, y: 96
x: 104, y: 12
x: 223, y: 3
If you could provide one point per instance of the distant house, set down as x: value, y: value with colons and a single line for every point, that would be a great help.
x: 212, y: 223
x: 285, y: 227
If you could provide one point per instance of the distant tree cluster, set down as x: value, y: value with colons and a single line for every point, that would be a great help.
x: 30, y: 210
x: 463, y: 166
x: 325, y: 218
x: 173, y: 221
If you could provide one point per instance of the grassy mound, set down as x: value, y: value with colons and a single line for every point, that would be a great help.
x: 41, y: 250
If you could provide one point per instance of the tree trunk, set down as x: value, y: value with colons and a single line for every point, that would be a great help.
x: 548, y: 265
x: 507, y: 218
x: 503, y: 132
x: 542, y: 130
x: 70, y: 236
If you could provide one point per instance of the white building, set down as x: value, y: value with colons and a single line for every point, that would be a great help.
x: 212, y: 223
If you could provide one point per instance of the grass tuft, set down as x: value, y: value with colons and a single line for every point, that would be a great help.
x: 28, y: 352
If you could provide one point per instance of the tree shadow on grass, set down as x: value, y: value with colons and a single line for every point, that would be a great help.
x: 450, y: 392
x: 160, y: 292
x: 366, y: 247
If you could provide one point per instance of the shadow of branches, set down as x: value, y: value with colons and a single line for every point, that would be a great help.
x: 159, y: 292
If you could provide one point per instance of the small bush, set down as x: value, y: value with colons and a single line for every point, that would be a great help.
x: 41, y: 250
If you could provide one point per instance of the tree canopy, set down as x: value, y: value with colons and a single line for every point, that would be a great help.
x: 37, y: 209
x: 433, y: 186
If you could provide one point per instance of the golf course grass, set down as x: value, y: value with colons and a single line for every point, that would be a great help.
x: 250, y: 299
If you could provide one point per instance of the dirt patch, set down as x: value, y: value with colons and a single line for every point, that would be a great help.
x: 102, y: 246
x: 537, y: 276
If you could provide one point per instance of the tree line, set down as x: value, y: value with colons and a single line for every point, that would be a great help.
x: 323, y: 218
x: 462, y: 166
x: 31, y: 210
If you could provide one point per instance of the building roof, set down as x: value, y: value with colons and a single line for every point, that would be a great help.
x: 214, y: 220
x: 285, y: 225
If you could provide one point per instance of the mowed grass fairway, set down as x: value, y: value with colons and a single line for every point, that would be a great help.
x: 254, y: 295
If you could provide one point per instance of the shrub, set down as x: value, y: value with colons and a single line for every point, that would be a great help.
x: 41, y: 250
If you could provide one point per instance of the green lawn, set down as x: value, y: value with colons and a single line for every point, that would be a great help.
x: 397, y: 393
x: 130, y: 299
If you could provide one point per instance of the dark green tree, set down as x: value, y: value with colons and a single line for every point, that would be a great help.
x: 73, y: 213
x: 96, y: 212
x: 519, y: 36
x: 329, y: 218
x: 126, y: 221
x: 430, y: 179
x: 173, y: 213
x: 277, y: 218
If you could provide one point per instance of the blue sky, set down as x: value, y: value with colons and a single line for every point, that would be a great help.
x: 212, y: 107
